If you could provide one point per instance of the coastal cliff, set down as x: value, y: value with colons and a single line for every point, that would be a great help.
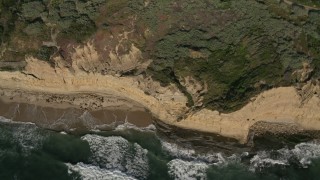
x: 283, y: 105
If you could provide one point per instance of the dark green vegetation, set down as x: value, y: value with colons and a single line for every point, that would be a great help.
x: 237, y: 47
x: 30, y: 27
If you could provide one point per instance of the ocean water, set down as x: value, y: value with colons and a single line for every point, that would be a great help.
x: 128, y: 152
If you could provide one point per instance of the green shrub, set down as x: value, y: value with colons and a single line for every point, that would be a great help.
x: 1, y: 33
x: 32, y: 10
x: 113, y: 6
x: 34, y: 28
x: 68, y: 9
x: 44, y: 53
x: 81, y: 29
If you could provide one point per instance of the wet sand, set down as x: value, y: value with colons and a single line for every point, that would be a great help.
x: 40, y: 84
x: 66, y: 117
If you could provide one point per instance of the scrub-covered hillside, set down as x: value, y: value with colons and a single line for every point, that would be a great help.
x: 219, y: 53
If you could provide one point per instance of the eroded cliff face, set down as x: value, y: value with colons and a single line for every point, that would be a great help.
x: 296, y: 108
x: 233, y: 49
x: 195, y: 64
x: 164, y: 102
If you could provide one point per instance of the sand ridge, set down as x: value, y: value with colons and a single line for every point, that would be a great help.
x: 281, y: 105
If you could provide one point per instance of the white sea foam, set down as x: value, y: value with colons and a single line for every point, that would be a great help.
x: 178, y: 151
x: 226, y: 160
x: 116, y: 153
x: 127, y: 125
x: 187, y: 170
x: 262, y: 159
x: 90, y: 172
x: 27, y: 135
x: 303, y: 152
x: 5, y: 120
x: 87, y: 119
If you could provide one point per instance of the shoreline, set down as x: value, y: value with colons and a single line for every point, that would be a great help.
x: 77, y: 100
x: 43, y: 85
x: 70, y: 118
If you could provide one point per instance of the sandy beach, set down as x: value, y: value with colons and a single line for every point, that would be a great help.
x: 58, y: 87
x: 68, y: 117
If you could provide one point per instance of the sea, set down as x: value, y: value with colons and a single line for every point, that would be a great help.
x: 128, y: 152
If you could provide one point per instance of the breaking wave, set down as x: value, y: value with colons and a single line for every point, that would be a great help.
x: 127, y: 126
x: 90, y: 172
x: 302, y: 155
x: 26, y: 135
x: 116, y: 153
x: 189, y: 163
x: 178, y: 151
x: 115, y: 157
x: 191, y: 170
